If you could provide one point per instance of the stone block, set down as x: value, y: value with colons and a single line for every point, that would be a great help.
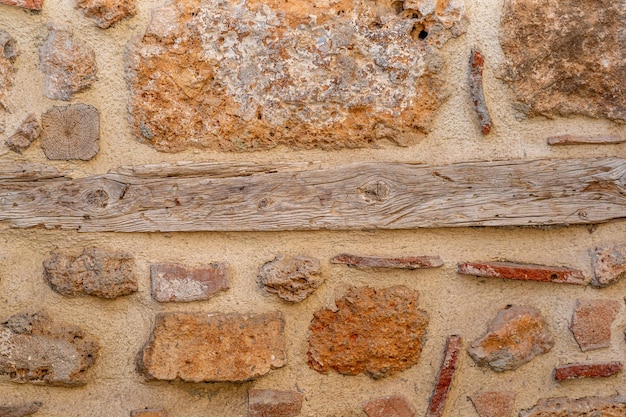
x: 493, y: 403
x: 274, y: 403
x: 403, y: 262
x: 586, y: 370
x: 106, y: 13
x: 179, y: 283
x: 389, y: 406
x: 28, y: 131
x: 591, y: 323
x: 292, y: 278
x: 609, y: 265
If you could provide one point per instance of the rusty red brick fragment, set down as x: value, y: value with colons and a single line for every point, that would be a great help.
x: 405, y: 262
x: 591, y: 323
x: 179, y: 283
x: 389, y: 406
x: 274, y: 403
x: 148, y: 412
x: 446, y: 376
x: 585, y: 140
x: 476, y: 65
x: 493, y: 403
x: 582, y: 370
x: 20, y: 410
x: 609, y: 265
x: 25, y: 4
x: 523, y: 272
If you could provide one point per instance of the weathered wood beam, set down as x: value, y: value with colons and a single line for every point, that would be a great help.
x: 372, y: 195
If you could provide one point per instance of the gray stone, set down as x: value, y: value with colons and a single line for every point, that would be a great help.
x: 292, y: 278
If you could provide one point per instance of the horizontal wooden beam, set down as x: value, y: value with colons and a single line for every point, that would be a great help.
x: 373, y: 195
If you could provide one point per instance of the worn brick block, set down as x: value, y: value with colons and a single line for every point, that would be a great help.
x: 405, y: 262
x: 447, y: 371
x: 493, y: 403
x: 591, y: 323
x: 106, y: 13
x: 376, y: 332
x: 20, y: 410
x: 214, y: 347
x: 583, y: 407
x: 25, y: 4
x: 609, y: 265
x: 95, y: 272
x: 389, y: 406
x: 148, y: 412
x: 274, y: 403
x: 292, y: 278
x: 33, y: 349
x: 582, y: 370
x: 28, y: 131
x: 523, y: 272
x: 513, y: 338
x: 179, y: 283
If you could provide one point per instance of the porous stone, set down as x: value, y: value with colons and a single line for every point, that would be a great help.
x: 584, y: 71
x: 28, y: 131
x: 25, y: 4
x: 582, y: 407
x: 68, y: 65
x: 71, y: 132
x: 274, y: 403
x: 214, y: 347
x: 609, y: 265
x: 248, y: 75
x: 389, y: 406
x: 20, y: 410
x: 513, y: 338
x: 179, y: 283
x: 376, y: 332
x: 95, y: 272
x: 33, y: 349
x: 586, y: 370
x: 591, y: 323
x: 493, y: 403
x: 106, y: 13
x: 292, y: 278
x: 148, y: 412
x: 8, y: 53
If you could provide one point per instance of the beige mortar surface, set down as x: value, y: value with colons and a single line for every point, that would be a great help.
x: 455, y: 303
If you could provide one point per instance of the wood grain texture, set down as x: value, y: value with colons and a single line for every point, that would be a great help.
x: 371, y: 195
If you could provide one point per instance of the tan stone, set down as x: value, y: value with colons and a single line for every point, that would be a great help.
x: 148, y: 412
x: 591, y: 323
x: 179, y: 283
x: 376, y: 332
x: 583, y: 407
x: 609, y: 265
x: 252, y: 75
x: 493, y: 403
x: 292, y: 278
x: 566, y: 57
x: 201, y: 347
x: 106, y: 13
x: 71, y: 132
x: 8, y: 53
x: 28, y: 131
x: 20, y: 410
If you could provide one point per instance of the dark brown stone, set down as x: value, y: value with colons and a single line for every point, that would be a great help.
x: 25, y: 4
x: 292, y: 278
x: 148, y: 412
x: 523, y: 272
x: 28, y: 131
x: 591, y: 323
x: 609, y: 265
x: 106, y: 13
x: 179, y: 283
x: 493, y: 403
x: 376, y: 332
x: 405, y: 262
x: 583, y: 407
x: 20, y: 410
x: 449, y: 366
x: 389, y: 406
x: 71, y: 132
x: 274, y: 403
x: 582, y: 370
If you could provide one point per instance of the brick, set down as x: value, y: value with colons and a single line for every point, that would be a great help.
x: 476, y: 64
x: 591, y: 323
x: 445, y: 378
x: 274, y: 403
x: 35, y: 350
x: 68, y: 64
x: 105, y: 13
x: 405, y: 262
x: 214, y: 347
x: 353, y: 83
x: 179, y: 283
x: 582, y: 370
x: 389, y: 406
x: 292, y: 278
x: 96, y: 272
x: 376, y: 332
x: 493, y: 403
x: 28, y: 131
x: 20, y: 410
x: 148, y: 412
x: 513, y: 338
x: 523, y: 272
x: 609, y: 265
x: 70, y: 132
x: 25, y: 4
x: 8, y: 54
x: 582, y: 407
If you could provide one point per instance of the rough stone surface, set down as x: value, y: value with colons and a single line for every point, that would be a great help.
x: 247, y: 75
x: 584, y: 71
x: 274, y: 403
x: 583, y: 407
x: 20, y: 410
x: 493, y: 403
x: 404, y: 262
x: 25, y: 4
x: 201, y: 347
x: 8, y: 53
x: 68, y: 64
x: 95, y: 272
x: 106, y: 13
x: 522, y: 272
x: 591, y: 323
x: 389, y: 406
x: 33, y: 349
x: 179, y: 283
x: 609, y: 265
x: 292, y: 278
x: 445, y: 378
x: 583, y: 370
x: 71, y: 132
x: 28, y: 131
x: 376, y: 332
x: 513, y: 338
x: 148, y: 412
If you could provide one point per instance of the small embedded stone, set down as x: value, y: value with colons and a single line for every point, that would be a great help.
x: 405, y: 262
x: 95, y: 272
x: 213, y: 347
x: 25, y: 4
x: 378, y: 332
x: 8, y: 53
x: 591, y: 323
x: 513, y: 338
x: 582, y: 407
x: 20, y: 410
x: 582, y: 370
x: 493, y: 403
x: 178, y: 283
x: 445, y: 378
x: 68, y: 64
x: 35, y: 350
x: 609, y: 265
x: 28, y: 131
x: 389, y: 406
x: 148, y: 412
x: 106, y: 13
x: 292, y: 278
x: 522, y: 272
x: 274, y: 403
x: 71, y: 132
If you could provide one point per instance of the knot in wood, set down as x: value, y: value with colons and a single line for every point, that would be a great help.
x: 96, y: 199
x: 375, y: 191
x: 264, y: 203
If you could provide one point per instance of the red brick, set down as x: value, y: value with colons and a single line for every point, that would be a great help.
x: 20, y: 410
x: 446, y: 375
x: 179, y: 283
x: 591, y: 323
x: 523, y: 272
x: 493, y: 403
x: 389, y: 406
x: 292, y: 278
x: 405, y: 262
x: 274, y: 403
x: 25, y: 4
x: 609, y: 265
x: 583, y: 407
x: 581, y: 370
x: 148, y: 412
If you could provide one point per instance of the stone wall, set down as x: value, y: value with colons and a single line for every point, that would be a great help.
x: 234, y: 262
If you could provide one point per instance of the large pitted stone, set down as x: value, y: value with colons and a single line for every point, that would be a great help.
x: 513, y: 338
x: 201, y: 347
x: 292, y: 278
x: 583, y: 407
x: 245, y: 75
x: 33, y: 349
x: 566, y: 57
x: 376, y: 332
